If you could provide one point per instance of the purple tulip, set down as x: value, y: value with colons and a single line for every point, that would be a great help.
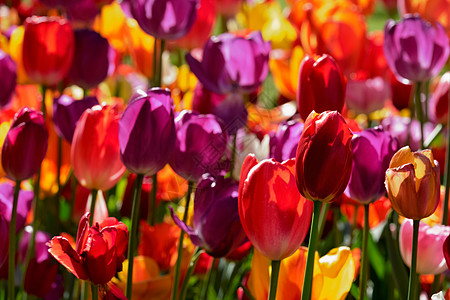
x: 25, y: 145
x: 233, y: 112
x: 163, y: 19
x: 147, y: 131
x: 200, y: 144
x: 6, y: 204
x: 414, y: 49
x: 91, y: 59
x: 84, y: 11
x: 217, y: 227
x: 67, y: 112
x: 373, y: 149
x: 365, y: 96
x: 8, y: 70
x: 4, y: 240
x: 41, y: 263
x: 231, y: 63
x: 204, y: 101
x: 283, y: 143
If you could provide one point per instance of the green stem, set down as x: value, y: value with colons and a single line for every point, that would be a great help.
x: 323, y: 219
x: 180, y: 243
x: 43, y: 107
x: 412, y: 274
x: 447, y: 171
x: 364, y: 253
x: 189, y: 272
x: 433, y: 135
x: 354, y: 225
x: 84, y: 290
x: 307, y: 283
x: 94, y: 193
x: 419, y: 111
x: 132, y: 244
x: 94, y: 291
x: 208, y: 281
x: 274, y: 279
x: 435, y: 287
x: 151, y: 219
x: 157, y: 61
x: 427, y: 88
x: 12, y: 243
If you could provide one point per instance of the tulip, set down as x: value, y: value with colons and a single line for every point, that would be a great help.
x: 398, y: 128
x: 83, y: 11
x: 430, y: 245
x: 95, y: 152
x: 90, y: 63
x: 99, y: 253
x: 67, y: 112
x: 228, y: 8
x: 160, y: 243
x: 147, y: 132
x: 412, y: 183
x: 8, y: 69
x: 373, y: 149
x: 201, y: 141
x: 415, y: 50
x: 284, y: 142
x: 366, y: 95
x: 233, y: 112
x: 217, y: 227
x: 321, y: 86
x: 413, y: 186
x: 333, y: 277
x: 202, y: 27
x: 25, y: 145
x: 48, y: 47
x: 324, y: 149
x: 273, y: 214
x: 440, y: 98
x: 430, y: 10
x: 222, y: 73
x: 166, y: 19
x: 23, y: 205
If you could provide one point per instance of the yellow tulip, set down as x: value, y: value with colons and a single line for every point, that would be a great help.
x: 15, y: 50
x: 335, y: 271
x: 111, y: 25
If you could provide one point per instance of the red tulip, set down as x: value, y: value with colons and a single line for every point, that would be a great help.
x: 274, y: 215
x: 25, y: 145
x: 324, y: 157
x: 100, y: 250
x: 48, y: 47
x: 95, y: 153
x: 321, y: 86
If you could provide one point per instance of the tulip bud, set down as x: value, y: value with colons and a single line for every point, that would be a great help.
x: 321, y: 86
x: 324, y: 157
x: 222, y: 73
x: 90, y: 63
x: 415, y: 50
x: 217, y: 227
x: 67, y: 111
x: 25, y: 145
x: 95, y: 152
x: 164, y: 19
x: 8, y: 69
x: 429, y: 247
x: 48, y: 47
x: 439, y: 99
x: 413, y: 183
x: 373, y: 149
x: 147, y: 132
x: 200, y: 144
x: 274, y: 215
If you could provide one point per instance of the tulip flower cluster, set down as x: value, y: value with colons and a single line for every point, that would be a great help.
x: 224, y: 149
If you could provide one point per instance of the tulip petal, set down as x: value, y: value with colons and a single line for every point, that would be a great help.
x: 63, y: 252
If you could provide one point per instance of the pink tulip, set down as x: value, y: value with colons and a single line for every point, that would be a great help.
x: 429, y: 251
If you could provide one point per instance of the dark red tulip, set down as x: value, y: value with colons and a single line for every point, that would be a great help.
x: 8, y: 69
x: 321, y: 86
x: 48, y: 47
x: 274, y: 215
x: 25, y: 145
x: 324, y: 156
x: 99, y: 253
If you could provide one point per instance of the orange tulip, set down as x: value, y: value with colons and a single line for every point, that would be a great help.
x: 378, y: 212
x: 95, y: 148
x: 413, y: 183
